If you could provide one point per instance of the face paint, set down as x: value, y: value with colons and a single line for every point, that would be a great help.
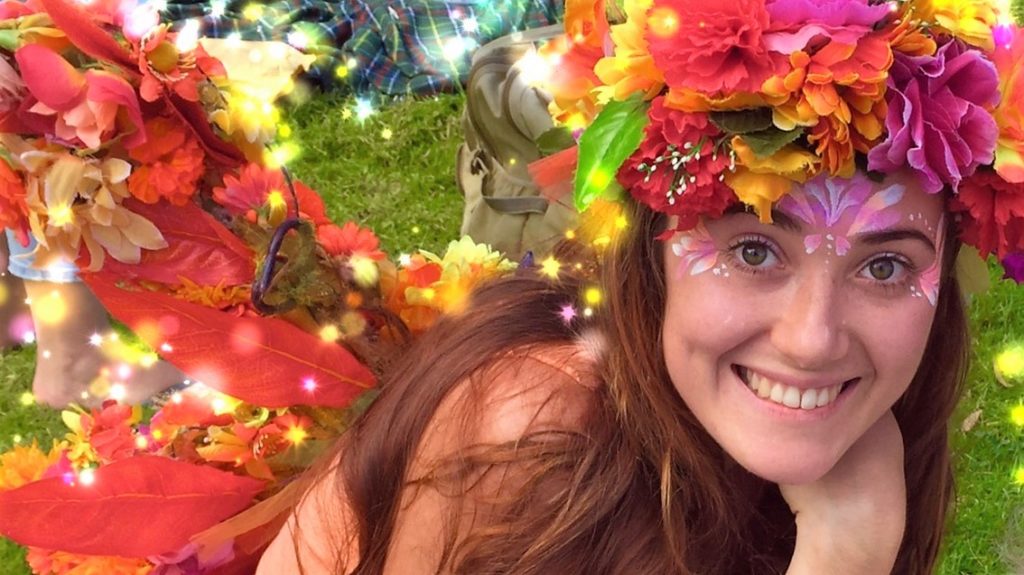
x: 696, y: 250
x: 928, y: 282
x: 822, y: 203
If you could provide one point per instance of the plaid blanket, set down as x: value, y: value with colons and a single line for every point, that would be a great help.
x: 389, y: 47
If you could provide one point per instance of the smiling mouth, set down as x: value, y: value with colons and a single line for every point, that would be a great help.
x: 789, y: 396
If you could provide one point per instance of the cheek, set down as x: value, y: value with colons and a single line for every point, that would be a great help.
x: 898, y: 344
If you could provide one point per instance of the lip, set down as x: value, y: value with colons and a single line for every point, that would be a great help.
x: 803, y: 384
x: 775, y: 410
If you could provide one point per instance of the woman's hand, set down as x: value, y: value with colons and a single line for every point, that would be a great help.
x: 851, y: 521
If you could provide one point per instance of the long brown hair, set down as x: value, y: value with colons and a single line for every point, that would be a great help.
x: 640, y: 487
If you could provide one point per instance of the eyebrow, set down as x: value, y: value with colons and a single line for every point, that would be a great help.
x: 790, y: 224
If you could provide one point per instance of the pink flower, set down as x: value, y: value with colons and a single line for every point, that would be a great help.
x: 938, y: 121
x: 795, y: 23
x: 713, y: 48
x: 677, y: 168
x: 86, y: 107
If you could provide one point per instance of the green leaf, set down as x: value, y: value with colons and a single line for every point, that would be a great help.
x: 9, y: 40
x: 615, y: 134
x: 743, y: 121
x: 555, y: 140
x: 1017, y: 11
x: 764, y: 143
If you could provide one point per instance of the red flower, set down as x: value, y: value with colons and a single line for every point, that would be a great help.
x: 712, y: 47
x: 13, y: 209
x: 109, y: 429
x: 685, y: 181
x: 172, y: 161
x: 249, y: 191
x: 349, y: 240
x: 993, y: 213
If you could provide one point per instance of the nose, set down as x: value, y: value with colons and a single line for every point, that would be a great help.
x: 810, y: 327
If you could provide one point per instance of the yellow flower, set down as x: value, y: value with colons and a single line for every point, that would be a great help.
x: 23, y: 465
x: 632, y: 68
x: 761, y: 181
x: 970, y: 20
x: 464, y: 266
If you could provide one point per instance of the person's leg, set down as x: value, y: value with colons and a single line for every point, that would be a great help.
x: 67, y: 315
x: 12, y: 299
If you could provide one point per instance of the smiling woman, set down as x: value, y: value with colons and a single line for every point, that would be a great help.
x: 758, y: 372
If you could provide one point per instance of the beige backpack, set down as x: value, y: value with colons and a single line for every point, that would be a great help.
x: 503, y: 119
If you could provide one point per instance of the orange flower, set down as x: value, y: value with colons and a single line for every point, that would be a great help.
x: 172, y: 161
x: 46, y: 562
x: 1009, y: 115
x: 350, y: 240
x: 908, y: 37
x: 23, y: 465
x: 632, y: 68
x: 13, y: 209
x: 573, y: 101
x: 837, y: 87
x: 218, y: 296
x: 831, y: 138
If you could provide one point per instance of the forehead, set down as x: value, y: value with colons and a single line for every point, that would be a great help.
x: 859, y: 204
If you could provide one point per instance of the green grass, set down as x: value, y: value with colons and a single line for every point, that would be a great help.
x: 404, y: 188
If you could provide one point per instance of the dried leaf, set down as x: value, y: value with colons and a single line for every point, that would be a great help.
x: 970, y: 421
x: 136, y: 507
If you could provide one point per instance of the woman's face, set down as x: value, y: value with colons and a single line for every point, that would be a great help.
x: 788, y: 341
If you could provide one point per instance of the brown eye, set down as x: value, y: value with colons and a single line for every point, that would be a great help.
x: 882, y: 269
x: 754, y: 254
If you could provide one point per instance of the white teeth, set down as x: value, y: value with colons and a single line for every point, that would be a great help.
x: 809, y: 400
x: 792, y: 397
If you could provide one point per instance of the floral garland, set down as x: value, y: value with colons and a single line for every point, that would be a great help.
x: 148, y: 157
x: 694, y: 106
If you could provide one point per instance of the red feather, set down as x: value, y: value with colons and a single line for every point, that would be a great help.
x: 87, y: 36
x: 554, y: 174
x: 262, y: 361
x: 136, y: 507
x: 199, y: 248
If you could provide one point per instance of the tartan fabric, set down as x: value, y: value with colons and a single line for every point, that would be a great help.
x: 393, y: 48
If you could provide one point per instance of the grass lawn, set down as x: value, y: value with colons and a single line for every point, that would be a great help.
x: 395, y: 174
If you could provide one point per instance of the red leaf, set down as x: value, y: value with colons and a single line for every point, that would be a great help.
x: 262, y: 361
x: 199, y: 248
x: 135, y: 508
x: 86, y: 35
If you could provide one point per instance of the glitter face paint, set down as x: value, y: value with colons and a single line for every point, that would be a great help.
x: 823, y: 202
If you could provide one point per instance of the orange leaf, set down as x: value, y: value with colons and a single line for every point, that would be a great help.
x: 259, y: 360
x: 136, y: 507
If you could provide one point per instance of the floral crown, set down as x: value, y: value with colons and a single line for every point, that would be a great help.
x: 693, y: 106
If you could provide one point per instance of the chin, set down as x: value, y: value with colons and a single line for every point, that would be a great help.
x: 791, y: 467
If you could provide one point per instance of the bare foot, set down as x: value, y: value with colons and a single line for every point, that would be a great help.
x: 70, y: 368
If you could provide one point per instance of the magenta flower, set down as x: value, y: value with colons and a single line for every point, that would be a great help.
x: 937, y: 121
x: 795, y: 23
x: 1013, y: 267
